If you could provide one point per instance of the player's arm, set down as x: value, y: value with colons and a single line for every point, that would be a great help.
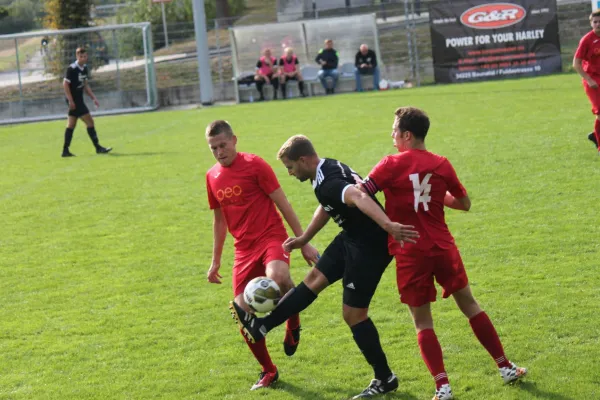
x: 284, y: 206
x: 88, y: 91
x: 67, y: 89
x: 310, y: 254
x: 580, y: 54
x: 219, y: 235
x: 462, y: 203
x: 319, y: 220
x: 456, y: 196
x: 356, y: 198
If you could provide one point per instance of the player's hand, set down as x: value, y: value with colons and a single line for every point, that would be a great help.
x: 213, y: 275
x: 267, y: 80
x: 364, y: 66
x: 96, y: 103
x: 72, y: 105
x: 592, y: 83
x: 402, y: 233
x: 292, y: 243
x: 310, y: 254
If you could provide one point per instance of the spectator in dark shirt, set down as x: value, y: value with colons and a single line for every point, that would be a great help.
x: 266, y: 72
x: 365, y: 63
x: 328, y: 59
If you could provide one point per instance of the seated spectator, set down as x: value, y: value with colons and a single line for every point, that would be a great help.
x: 328, y: 58
x: 288, y: 71
x: 365, y: 63
x: 266, y: 73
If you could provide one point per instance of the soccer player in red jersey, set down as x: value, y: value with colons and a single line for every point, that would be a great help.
x: 417, y: 185
x: 243, y: 192
x: 587, y: 63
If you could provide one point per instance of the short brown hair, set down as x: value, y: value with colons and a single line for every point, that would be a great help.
x: 414, y: 120
x: 217, y: 127
x: 595, y: 14
x: 80, y: 50
x: 295, y: 147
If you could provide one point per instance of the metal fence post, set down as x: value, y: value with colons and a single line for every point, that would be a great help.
x: 117, y: 55
x: 408, y: 35
x: 164, y: 20
x: 413, y: 34
x: 218, y: 48
x: 19, y: 75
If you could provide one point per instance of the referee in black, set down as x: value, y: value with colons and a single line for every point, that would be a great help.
x: 358, y: 255
x: 74, y: 84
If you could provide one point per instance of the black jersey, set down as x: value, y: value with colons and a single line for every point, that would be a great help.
x: 332, y: 180
x: 77, y: 77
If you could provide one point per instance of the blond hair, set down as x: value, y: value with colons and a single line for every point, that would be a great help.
x: 295, y: 147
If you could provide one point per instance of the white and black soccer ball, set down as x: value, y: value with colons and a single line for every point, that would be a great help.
x: 262, y: 294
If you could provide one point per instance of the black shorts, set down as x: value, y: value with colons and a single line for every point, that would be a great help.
x: 291, y: 78
x: 79, y: 111
x: 360, y: 266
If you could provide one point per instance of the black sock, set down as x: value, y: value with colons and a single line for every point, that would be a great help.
x: 68, y: 138
x: 367, y: 338
x: 300, y: 298
x: 301, y: 87
x: 283, y: 86
x: 259, y: 86
x: 94, y: 136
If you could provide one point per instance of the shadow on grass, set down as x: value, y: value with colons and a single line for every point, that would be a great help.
x: 539, y: 393
x: 305, y: 392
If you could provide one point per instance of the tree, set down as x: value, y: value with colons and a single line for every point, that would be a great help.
x: 61, y: 14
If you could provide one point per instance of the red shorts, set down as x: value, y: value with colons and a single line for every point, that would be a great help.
x: 594, y: 96
x: 250, y: 265
x: 416, y: 271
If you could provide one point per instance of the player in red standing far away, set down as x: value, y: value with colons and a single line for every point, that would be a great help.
x: 243, y: 192
x: 587, y: 63
x: 417, y: 185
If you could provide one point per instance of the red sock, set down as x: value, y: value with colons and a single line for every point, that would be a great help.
x: 486, y: 333
x: 597, y: 132
x: 259, y: 349
x: 293, y: 322
x: 431, y: 351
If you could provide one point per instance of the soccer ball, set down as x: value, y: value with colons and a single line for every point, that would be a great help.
x: 262, y: 294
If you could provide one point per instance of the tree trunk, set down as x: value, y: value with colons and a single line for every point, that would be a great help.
x: 222, y: 13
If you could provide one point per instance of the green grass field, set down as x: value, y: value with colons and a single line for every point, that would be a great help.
x: 103, y: 259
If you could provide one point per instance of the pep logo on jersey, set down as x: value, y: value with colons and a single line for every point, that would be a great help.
x: 493, y: 16
x: 229, y: 195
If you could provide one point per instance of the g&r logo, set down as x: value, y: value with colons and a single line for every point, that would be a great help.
x: 229, y: 192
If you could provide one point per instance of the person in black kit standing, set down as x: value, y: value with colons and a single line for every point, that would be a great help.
x: 358, y: 255
x: 365, y: 63
x: 328, y: 58
x: 74, y: 84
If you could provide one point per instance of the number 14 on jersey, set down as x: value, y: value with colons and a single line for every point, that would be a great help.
x: 421, y: 191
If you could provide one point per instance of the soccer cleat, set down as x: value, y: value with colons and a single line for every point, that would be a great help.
x: 290, y: 343
x: 443, y: 393
x: 512, y: 373
x: 248, y: 323
x: 377, y: 387
x: 103, y: 150
x: 67, y: 153
x: 265, y: 379
x: 592, y: 138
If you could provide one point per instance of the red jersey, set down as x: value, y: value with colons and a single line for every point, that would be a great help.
x: 589, y: 52
x: 242, y: 192
x: 415, y: 183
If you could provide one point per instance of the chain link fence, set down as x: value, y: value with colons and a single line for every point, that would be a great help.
x: 404, y: 42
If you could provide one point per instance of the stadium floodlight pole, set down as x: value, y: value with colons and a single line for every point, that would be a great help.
x: 206, y: 87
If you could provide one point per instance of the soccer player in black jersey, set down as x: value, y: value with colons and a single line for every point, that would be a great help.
x: 358, y: 255
x: 74, y: 84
